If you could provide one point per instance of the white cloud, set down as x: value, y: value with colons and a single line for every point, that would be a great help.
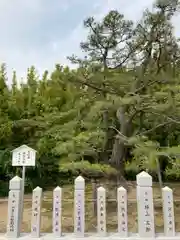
x: 29, y: 37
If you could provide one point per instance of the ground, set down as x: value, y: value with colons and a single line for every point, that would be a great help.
x: 67, y: 209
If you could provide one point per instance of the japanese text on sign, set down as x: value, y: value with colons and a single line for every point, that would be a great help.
x: 79, y: 212
x: 170, y: 214
x: 12, y: 217
x: 123, y: 214
x: 23, y: 156
x: 56, y: 214
x: 36, y: 211
x: 148, y: 226
x: 102, y: 213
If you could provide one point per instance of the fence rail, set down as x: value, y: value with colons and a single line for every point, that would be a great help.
x: 49, y: 199
x: 145, y: 212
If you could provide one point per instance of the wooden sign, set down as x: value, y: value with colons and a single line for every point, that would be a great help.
x: 23, y: 156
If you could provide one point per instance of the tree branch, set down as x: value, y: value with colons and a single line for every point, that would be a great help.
x: 154, y: 128
x: 123, y: 137
x: 170, y: 118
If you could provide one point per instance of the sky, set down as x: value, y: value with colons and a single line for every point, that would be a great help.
x: 43, y: 32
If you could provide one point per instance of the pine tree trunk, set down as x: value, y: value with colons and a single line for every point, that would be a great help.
x: 105, y: 157
x: 118, y: 161
x: 118, y: 153
x: 119, y: 149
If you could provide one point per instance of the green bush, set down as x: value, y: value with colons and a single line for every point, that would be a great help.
x: 87, y: 170
x: 4, y: 188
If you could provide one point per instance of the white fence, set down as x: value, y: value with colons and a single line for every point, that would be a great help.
x: 146, y: 227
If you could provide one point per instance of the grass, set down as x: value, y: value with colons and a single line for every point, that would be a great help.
x: 67, y: 210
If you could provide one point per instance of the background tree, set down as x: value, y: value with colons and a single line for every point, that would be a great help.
x: 133, y: 76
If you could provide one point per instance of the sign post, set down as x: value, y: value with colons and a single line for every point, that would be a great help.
x: 23, y: 156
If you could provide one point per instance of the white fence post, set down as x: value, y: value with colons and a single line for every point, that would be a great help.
x: 14, y: 208
x: 168, y: 212
x: 36, y: 212
x: 145, y: 205
x: 146, y: 226
x: 57, y: 212
x: 122, y: 212
x: 101, y: 211
x: 79, y: 224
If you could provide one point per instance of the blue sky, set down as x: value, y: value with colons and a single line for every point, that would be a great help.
x: 44, y: 32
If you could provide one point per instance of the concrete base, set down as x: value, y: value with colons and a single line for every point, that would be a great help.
x: 89, y: 236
